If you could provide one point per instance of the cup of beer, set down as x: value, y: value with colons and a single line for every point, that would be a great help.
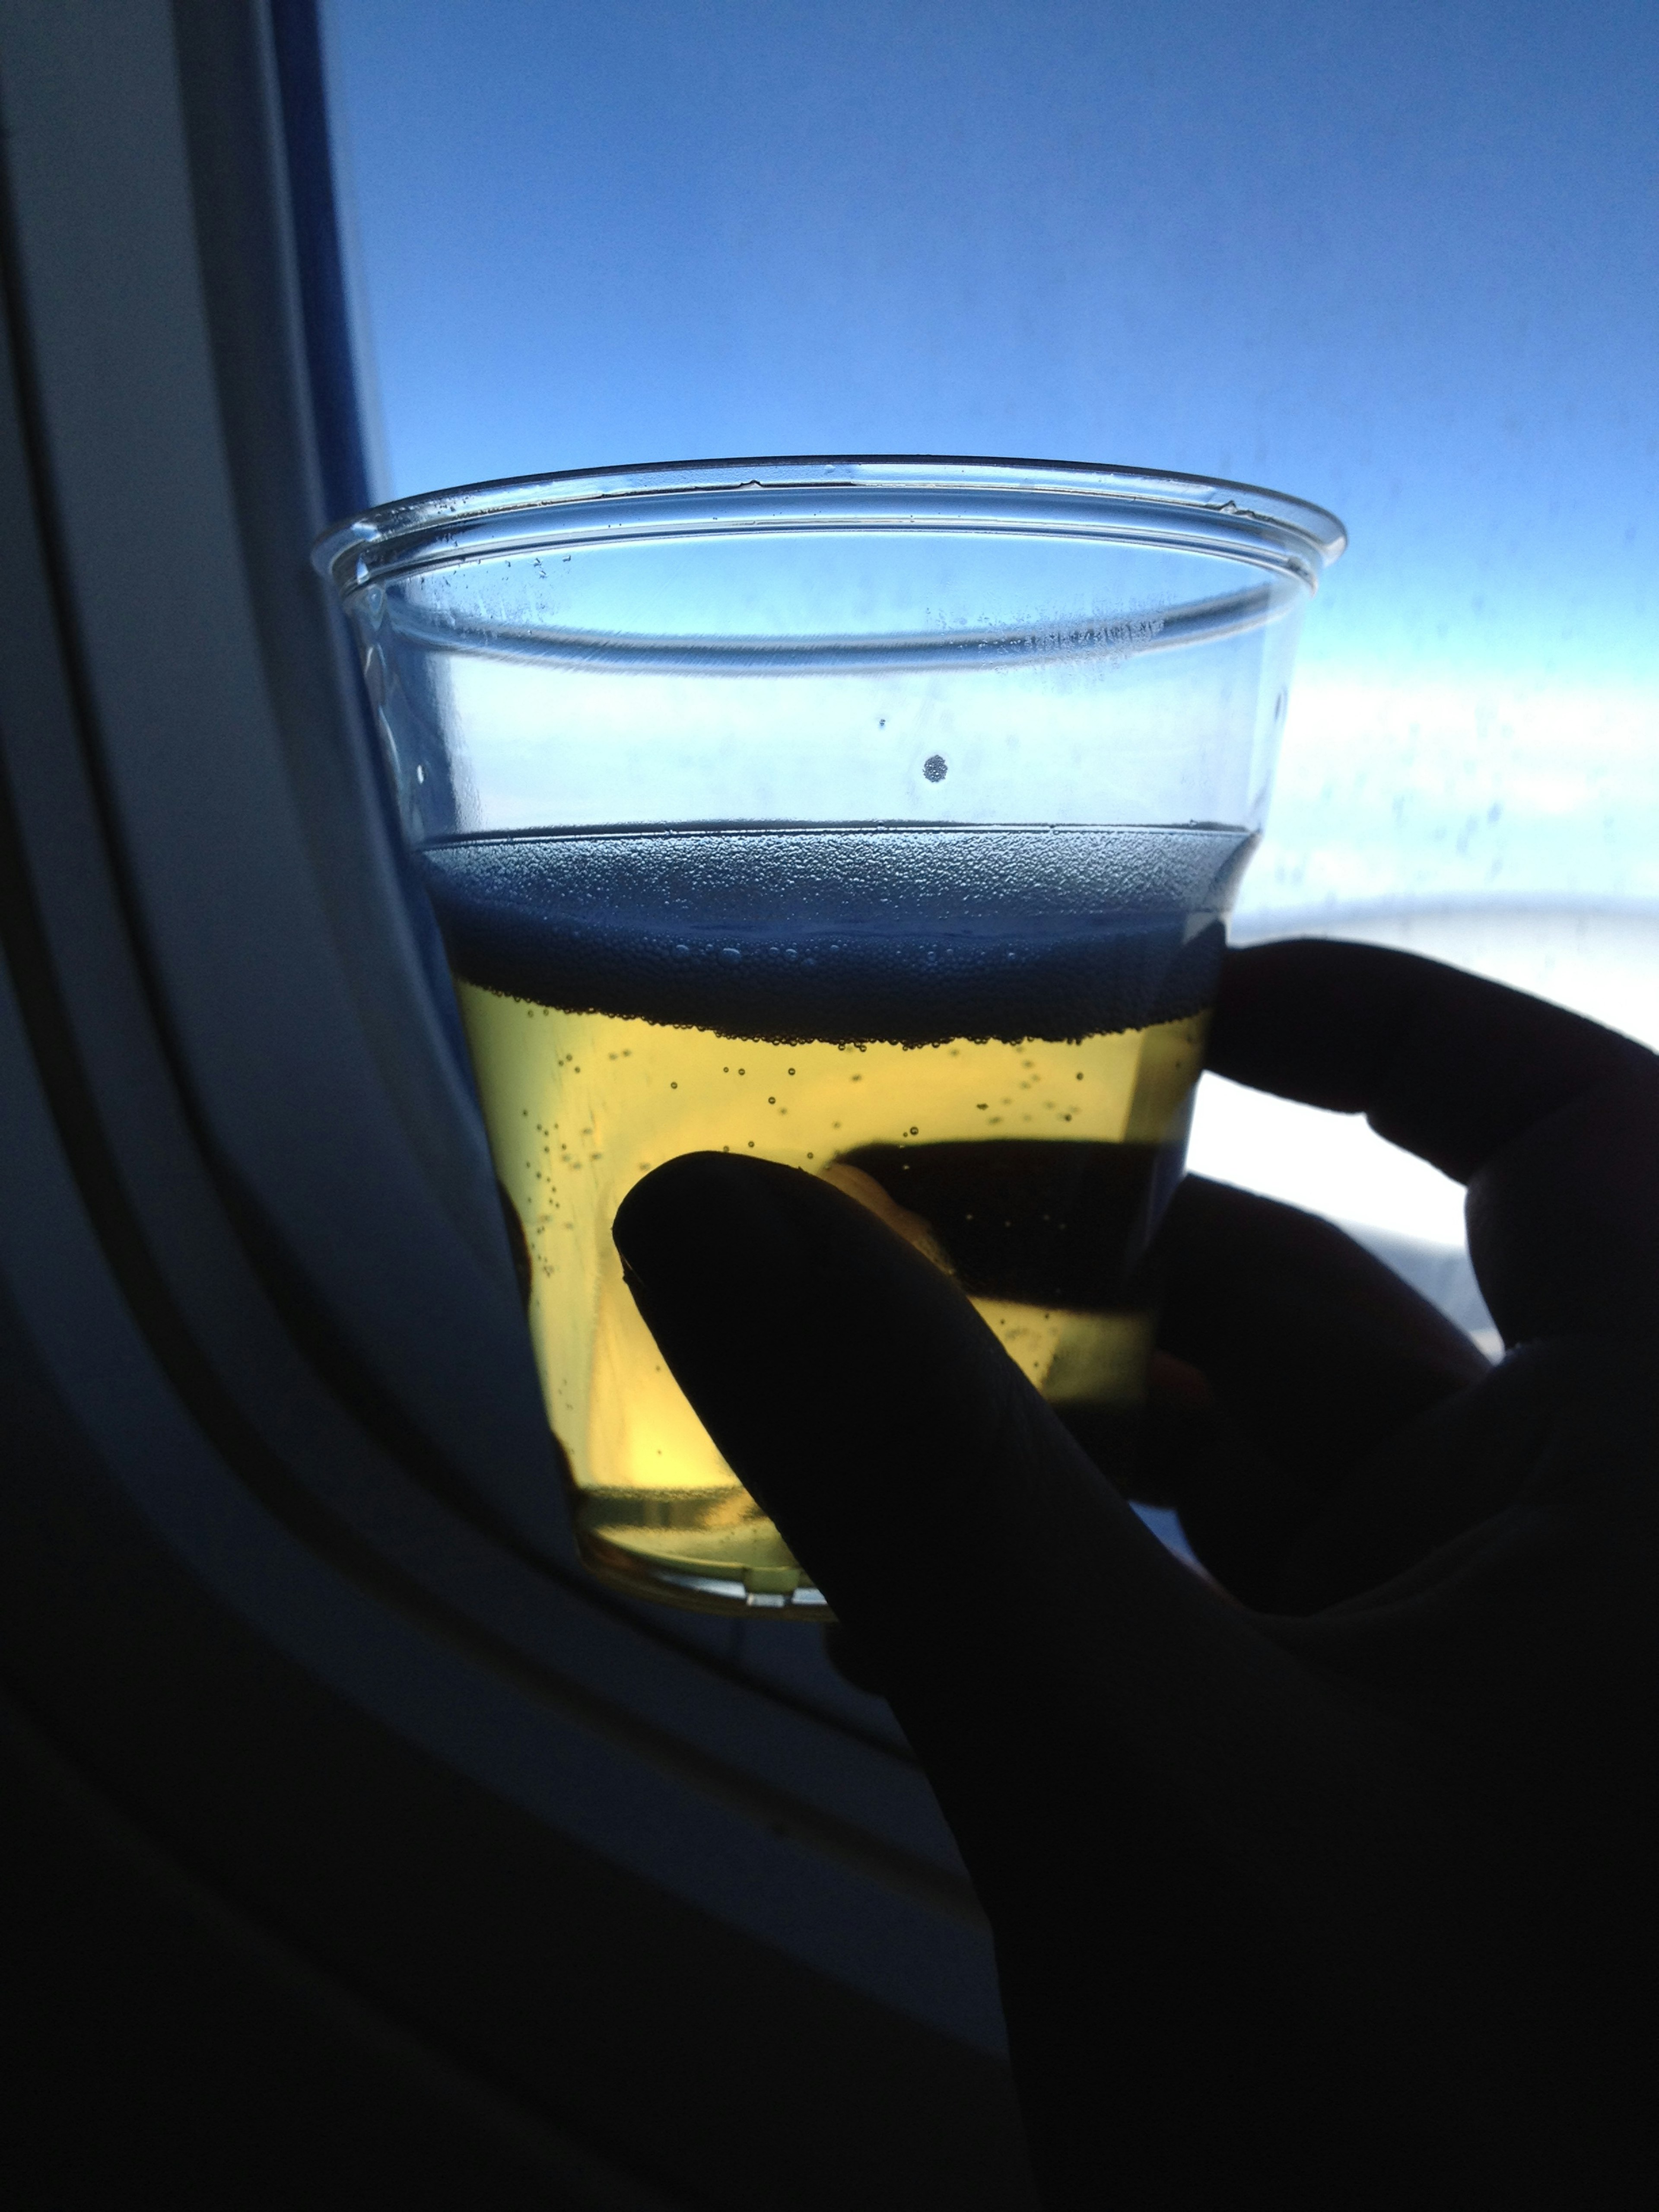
x: 878, y: 816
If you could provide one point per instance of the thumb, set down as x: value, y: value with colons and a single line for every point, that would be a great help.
x: 1014, y: 1605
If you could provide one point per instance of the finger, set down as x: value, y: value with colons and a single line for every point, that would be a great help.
x: 1312, y: 1347
x: 1564, y: 1223
x: 1461, y: 1465
x: 1011, y: 1604
x: 1448, y: 1065
x: 1315, y: 1355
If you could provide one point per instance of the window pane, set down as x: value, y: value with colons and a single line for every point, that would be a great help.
x: 1402, y: 261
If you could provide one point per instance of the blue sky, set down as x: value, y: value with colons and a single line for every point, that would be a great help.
x: 1402, y: 260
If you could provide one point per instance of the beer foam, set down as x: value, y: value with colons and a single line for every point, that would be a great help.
x: 905, y: 935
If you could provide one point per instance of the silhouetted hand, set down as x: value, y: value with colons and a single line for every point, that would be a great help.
x: 1329, y: 1886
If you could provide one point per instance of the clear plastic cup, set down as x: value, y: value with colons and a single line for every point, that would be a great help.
x: 878, y: 817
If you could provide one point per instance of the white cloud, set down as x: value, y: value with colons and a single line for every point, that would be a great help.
x: 1472, y: 787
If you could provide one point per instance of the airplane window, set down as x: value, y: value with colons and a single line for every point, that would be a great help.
x: 287, y: 1600
x: 387, y: 1830
x: 1398, y: 261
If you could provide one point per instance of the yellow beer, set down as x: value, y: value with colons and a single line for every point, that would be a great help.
x: 1025, y: 1169
x: 990, y: 1039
